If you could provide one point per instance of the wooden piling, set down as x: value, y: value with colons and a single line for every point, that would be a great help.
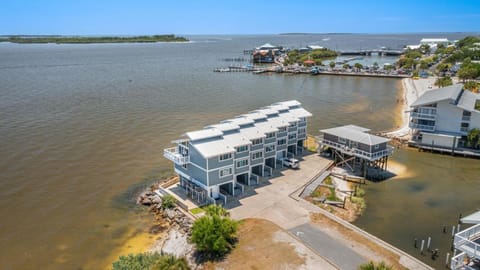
x: 446, y: 260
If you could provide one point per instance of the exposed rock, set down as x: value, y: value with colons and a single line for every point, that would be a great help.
x: 156, y: 199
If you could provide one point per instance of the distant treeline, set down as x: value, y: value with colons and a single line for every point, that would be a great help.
x: 85, y: 39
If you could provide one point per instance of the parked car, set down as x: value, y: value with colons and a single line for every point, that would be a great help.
x: 291, y: 162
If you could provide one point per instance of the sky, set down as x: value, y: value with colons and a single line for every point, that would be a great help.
x: 121, y: 17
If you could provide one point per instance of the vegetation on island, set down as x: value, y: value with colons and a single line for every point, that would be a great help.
x: 89, y: 39
x: 375, y: 266
x: 317, y: 55
x: 150, y: 261
x: 214, y: 234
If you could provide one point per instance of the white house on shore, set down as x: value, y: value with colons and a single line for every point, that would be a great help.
x: 443, y: 117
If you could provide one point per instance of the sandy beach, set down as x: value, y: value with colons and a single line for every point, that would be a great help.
x: 412, y: 89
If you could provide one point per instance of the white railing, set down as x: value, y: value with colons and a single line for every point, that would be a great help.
x: 357, y: 152
x: 173, y: 155
x: 458, y: 263
x: 422, y: 127
x: 464, y: 241
x: 423, y: 115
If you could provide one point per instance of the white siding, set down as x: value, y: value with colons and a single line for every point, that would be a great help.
x: 438, y: 140
x: 449, y: 117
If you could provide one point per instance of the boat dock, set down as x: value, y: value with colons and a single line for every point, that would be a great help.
x: 444, y: 150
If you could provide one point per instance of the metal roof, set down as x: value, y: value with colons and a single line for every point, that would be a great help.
x: 288, y: 103
x: 204, y: 134
x: 467, y: 100
x: 362, y: 129
x: 213, y: 148
x: 224, y: 126
x: 300, y: 112
x: 432, y: 96
x: 255, y: 116
x: 240, y: 121
x: 267, y: 111
x: 354, y: 134
x: 252, y: 133
x: 278, y: 107
x: 472, y: 219
x: 266, y: 127
x: 236, y: 140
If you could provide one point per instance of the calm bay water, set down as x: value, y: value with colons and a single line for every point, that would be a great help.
x: 81, y: 124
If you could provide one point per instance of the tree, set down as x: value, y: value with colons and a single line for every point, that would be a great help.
x: 473, y: 138
x: 443, y: 82
x: 332, y: 65
x: 170, y: 262
x: 214, y: 233
x: 375, y: 65
x: 375, y: 266
x: 472, y: 86
x: 358, y: 66
x: 468, y: 72
x: 346, y: 66
x: 423, y: 64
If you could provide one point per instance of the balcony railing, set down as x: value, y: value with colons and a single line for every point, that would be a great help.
x: 464, y: 129
x: 422, y: 127
x: 464, y: 241
x: 173, y: 155
x: 423, y: 115
x: 458, y: 263
x: 357, y: 152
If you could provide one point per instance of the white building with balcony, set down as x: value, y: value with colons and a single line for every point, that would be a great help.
x: 467, y: 245
x: 443, y: 117
x: 217, y: 161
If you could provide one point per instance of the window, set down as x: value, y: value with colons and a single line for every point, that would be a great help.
x: 242, y: 148
x: 353, y: 144
x: 271, y: 135
x: 301, y: 130
x: 269, y: 148
x: 281, y: 142
x: 242, y: 163
x: 282, y: 129
x: 376, y: 146
x: 342, y: 140
x: 257, y: 155
x: 257, y: 141
x: 225, y: 157
x: 225, y: 172
x: 292, y: 136
x: 294, y: 124
x: 303, y: 119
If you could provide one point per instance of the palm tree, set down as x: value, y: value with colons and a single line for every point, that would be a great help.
x: 170, y: 262
x: 332, y: 65
x: 346, y: 66
x: 358, y: 66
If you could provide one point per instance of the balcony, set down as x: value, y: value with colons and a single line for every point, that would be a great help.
x: 468, y: 241
x: 422, y: 127
x: 429, y: 116
x: 357, y: 152
x: 175, y: 156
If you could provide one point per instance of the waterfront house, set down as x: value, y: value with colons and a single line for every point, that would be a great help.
x: 266, y: 53
x: 356, y: 148
x: 443, y: 117
x: 218, y: 160
x: 433, y: 42
x: 466, y: 245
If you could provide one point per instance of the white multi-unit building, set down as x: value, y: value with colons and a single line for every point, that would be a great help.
x: 218, y: 160
x: 443, y: 117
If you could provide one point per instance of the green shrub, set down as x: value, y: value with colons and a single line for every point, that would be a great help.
x: 375, y: 266
x: 168, y: 201
x: 214, y: 233
x: 150, y: 261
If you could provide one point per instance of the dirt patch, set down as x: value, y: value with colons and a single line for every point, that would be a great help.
x: 363, y: 245
x: 259, y: 247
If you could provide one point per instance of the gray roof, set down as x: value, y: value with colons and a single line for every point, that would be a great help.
x: 213, y: 141
x: 432, y: 96
x: 472, y: 219
x: 354, y: 133
x: 467, y: 100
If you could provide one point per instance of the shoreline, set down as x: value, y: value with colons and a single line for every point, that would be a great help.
x: 411, y: 89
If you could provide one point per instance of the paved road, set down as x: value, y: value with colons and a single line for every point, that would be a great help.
x: 335, y: 251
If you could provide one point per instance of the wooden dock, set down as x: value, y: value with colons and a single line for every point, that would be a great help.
x: 445, y: 150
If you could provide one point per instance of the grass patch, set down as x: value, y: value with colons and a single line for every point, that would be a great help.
x: 197, y: 210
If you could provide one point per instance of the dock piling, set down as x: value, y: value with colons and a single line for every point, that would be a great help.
x: 428, y: 243
x: 446, y: 260
x: 421, y: 246
x: 415, y: 243
x: 453, y: 231
x: 444, y: 229
x: 458, y: 228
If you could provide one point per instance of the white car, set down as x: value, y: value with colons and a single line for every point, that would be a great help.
x: 291, y: 162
